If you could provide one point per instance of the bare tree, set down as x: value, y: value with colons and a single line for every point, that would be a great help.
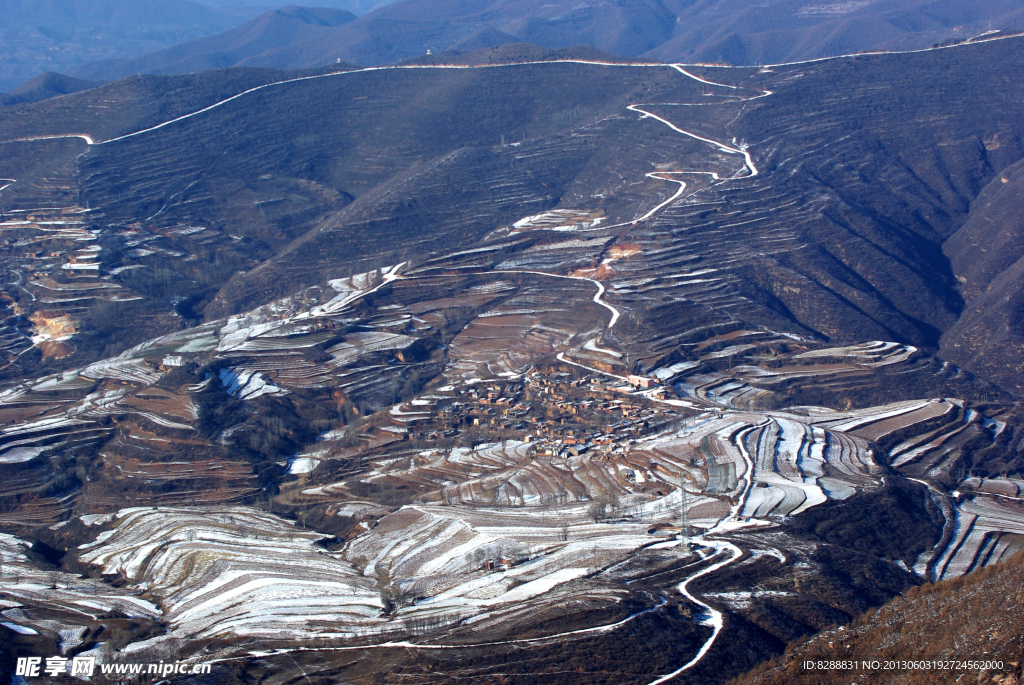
x: 451, y: 495
x: 515, y: 551
x: 395, y: 382
x: 382, y: 574
x: 603, y: 506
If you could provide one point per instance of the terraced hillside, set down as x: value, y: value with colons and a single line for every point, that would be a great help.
x: 504, y: 372
x: 533, y: 496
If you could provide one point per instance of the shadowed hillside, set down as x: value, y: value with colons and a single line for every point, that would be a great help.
x: 986, y: 254
x: 978, y: 617
x: 46, y: 86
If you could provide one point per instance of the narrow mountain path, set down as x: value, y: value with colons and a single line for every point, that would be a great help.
x: 730, y: 523
x: 28, y: 139
x: 598, y: 296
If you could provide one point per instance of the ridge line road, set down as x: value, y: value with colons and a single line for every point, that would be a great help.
x: 678, y: 66
x: 634, y: 107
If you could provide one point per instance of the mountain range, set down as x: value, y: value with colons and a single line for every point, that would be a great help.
x: 727, y: 31
x: 907, y: 222
x: 63, y: 35
x: 58, y: 35
x: 514, y: 362
x: 244, y: 45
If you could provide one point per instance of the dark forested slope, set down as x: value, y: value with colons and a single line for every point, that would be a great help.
x: 987, y: 254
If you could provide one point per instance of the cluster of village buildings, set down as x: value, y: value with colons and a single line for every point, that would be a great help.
x: 562, y: 413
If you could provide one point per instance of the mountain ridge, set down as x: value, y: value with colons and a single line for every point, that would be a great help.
x: 45, y: 86
x: 739, y: 32
x: 59, y: 35
x: 240, y: 46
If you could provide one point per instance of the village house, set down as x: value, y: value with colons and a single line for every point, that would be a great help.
x: 642, y: 381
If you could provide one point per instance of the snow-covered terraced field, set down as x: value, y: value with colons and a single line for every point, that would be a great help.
x: 235, y: 571
x: 1005, y: 487
x: 246, y: 384
x: 787, y: 463
x: 559, y: 220
x: 986, y: 530
x: 33, y: 593
x: 442, y: 555
x: 358, y: 344
x: 263, y: 353
x: 752, y: 375
x: 499, y: 531
x: 123, y: 368
x: 795, y: 463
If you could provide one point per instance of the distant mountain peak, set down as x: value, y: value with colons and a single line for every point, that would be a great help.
x: 734, y: 32
x: 321, y: 16
x: 245, y: 45
x: 47, y: 85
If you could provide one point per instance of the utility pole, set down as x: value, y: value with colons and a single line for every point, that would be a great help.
x: 684, y: 517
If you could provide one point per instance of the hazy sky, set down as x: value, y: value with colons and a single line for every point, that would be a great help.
x: 356, y: 6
